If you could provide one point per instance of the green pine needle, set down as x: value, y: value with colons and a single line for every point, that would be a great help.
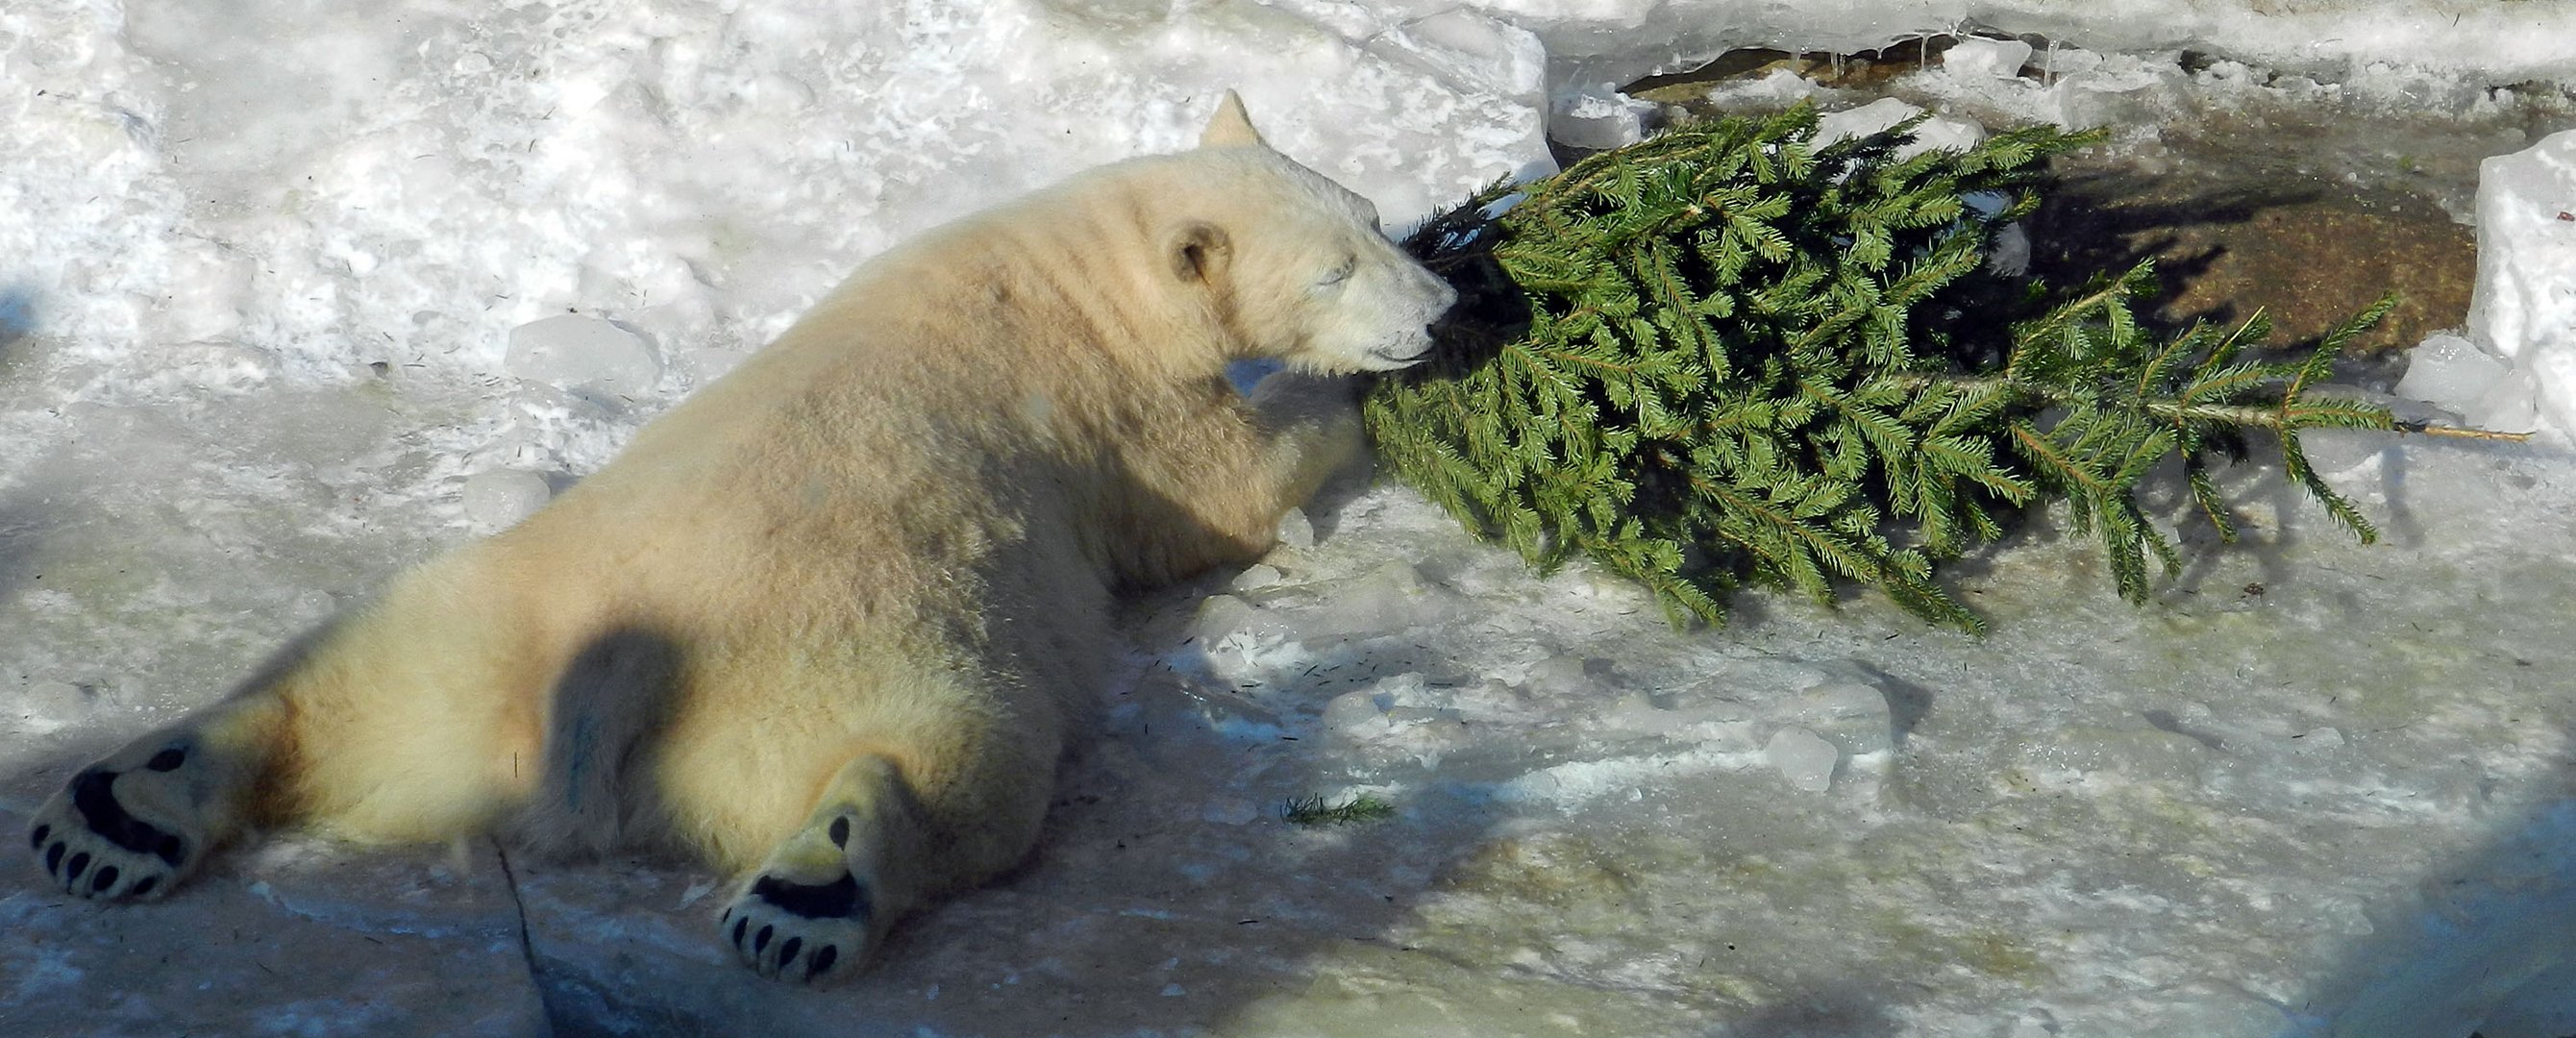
x: 1317, y: 811
x: 1724, y: 357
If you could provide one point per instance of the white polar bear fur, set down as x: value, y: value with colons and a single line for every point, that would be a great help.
x: 861, y: 581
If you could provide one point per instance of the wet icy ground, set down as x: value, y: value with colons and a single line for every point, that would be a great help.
x: 2314, y: 781
x: 256, y: 353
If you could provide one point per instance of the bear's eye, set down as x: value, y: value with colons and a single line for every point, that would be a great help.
x: 1339, y: 274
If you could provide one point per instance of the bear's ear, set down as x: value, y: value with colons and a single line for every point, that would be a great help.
x: 1199, y: 251
x: 1232, y: 127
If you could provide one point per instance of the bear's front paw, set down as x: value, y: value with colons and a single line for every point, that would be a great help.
x: 113, y: 833
x: 801, y: 923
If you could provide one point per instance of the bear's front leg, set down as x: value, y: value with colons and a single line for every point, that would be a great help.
x: 136, y: 822
x: 1312, y: 425
x: 826, y: 895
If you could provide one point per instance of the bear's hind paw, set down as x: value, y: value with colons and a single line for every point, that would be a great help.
x: 93, y: 842
x: 797, y: 931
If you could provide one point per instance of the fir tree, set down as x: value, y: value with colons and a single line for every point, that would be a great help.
x: 1728, y: 356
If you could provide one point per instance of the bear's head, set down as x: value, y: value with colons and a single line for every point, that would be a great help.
x: 1295, y: 265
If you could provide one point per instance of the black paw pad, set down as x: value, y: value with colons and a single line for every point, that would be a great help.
x: 787, y: 951
x: 823, y: 959
x: 94, y: 795
x: 840, y: 899
x: 106, y: 878
x: 36, y: 840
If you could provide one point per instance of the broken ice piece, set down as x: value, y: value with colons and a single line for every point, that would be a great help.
x: 1802, y: 757
x: 1295, y: 530
x: 1597, y: 115
x: 2449, y: 372
x: 571, y: 351
x: 1979, y: 58
x: 1853, y: 715
x: 498, y: 498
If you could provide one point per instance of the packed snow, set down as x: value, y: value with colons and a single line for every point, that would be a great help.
x: 296, y: 293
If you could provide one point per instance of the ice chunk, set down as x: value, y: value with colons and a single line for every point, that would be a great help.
x: 1936, y: 132
x: 1385, y: 600
x: 1802, y: 757
x: 2449, y: 372
x: 1853, y: 715
x: 2318, y: 740
x: 1235, y: 639
x: 1256, y: 576
x: 1223, y: 616
x: 1597, y: 115
x: 1295, y: 530
x: 1357, y: 708
x: 2118, y: 88
x: 2524, y: 305
x: 497, y: 499
x: 1560, y: 674
x: 575, y: 352
x: 1978, y: 58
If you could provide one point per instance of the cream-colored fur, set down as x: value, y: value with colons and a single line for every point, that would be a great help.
x: 830, y: 622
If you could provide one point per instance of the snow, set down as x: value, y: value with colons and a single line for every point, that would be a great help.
x: 2525, y: 306
x: 297, y: 293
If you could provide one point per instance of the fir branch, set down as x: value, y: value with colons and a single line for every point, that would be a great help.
x: 1724, y: 356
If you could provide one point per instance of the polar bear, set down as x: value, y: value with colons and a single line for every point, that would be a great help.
x: 829, y: 623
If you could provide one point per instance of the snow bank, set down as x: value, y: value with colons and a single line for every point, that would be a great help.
x: 2524, y: 307
x: 2496, y: 42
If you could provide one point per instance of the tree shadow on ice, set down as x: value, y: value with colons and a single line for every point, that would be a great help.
x: 2109, y: 221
